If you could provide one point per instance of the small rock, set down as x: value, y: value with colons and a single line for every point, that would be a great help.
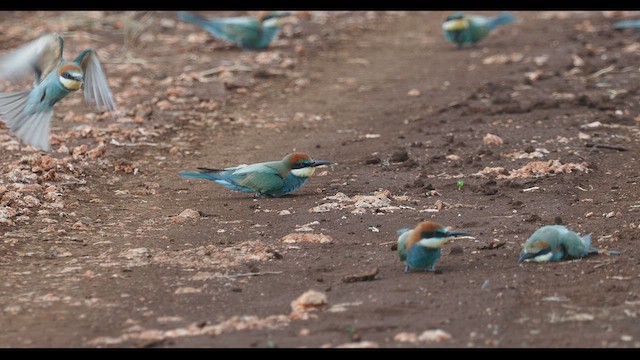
x: 456, y: 250
x: 406, y: 337
x: 439, y: 204
x: 311, y: 300
x: 491, y: 139
x: 372, y: 160
x: 365, y: 276
x: 359, y: 345
x: 187, y: 290
x: 189, y: 213
x: 413, y: 92
x: 303, y: 237
x: 399, y: 156
x: 533, y: 218
x: 583, y: 136
x: 434, y: 335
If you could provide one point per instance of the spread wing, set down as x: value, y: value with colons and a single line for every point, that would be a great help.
x: 41, y: 56
x: 96, y: 87
x: 237, y: 30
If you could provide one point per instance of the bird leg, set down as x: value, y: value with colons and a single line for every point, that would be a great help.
x: 432, y: 268
x: 406, y: 269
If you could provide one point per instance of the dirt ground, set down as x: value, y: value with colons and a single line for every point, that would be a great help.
x: 104, y: 245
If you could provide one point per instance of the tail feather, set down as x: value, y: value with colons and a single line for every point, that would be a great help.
x: 501, y: 19
x: 217, y: 178
x: 11, y: 107
x: 33, y: 129
x: 629, y: 24
x: 192, y: 18
x: 200, y: 175
x: 587, y: 241
x: 220, y: 28
x: 587, y: 245
x: 212, y: 26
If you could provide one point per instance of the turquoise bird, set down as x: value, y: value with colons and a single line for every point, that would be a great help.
x: 555, y: 243
x: 273, y: 178
x: 28, y: 113
x: 247, y: 32
x: 420, y: 247
x: 629, y: 24
x: 459, y: 28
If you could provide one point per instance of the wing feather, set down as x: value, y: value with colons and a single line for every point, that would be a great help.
x: 96, y: 87
x: 41, y: 56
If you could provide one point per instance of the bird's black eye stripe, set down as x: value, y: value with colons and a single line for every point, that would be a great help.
x: 453, y: 17
x: 430, y: 234
x: 299, y: 165
x: 67, y: 76
x: 543, y: 251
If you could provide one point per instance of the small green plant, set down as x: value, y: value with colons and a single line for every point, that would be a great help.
x: 460, y: 184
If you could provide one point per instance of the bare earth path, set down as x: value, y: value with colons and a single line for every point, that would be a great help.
x: 94, y: 254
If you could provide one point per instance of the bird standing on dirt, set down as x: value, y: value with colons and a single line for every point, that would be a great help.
x: 273, y: 178
x: 459, y: 28
x: 555, y: 243
x: 628, y: 24
x: 248, y: 32
x: 420, y: 247
x: 28, y: 113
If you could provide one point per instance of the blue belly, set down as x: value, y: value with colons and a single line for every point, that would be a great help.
x: 420, y: 257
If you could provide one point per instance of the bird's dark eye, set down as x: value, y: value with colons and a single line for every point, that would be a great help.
x: 67, y: 76
x: 300, y: 165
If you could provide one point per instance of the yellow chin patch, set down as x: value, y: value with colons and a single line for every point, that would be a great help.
x: 304, y: 172
x: 456, y: 25
x: 71, y: 85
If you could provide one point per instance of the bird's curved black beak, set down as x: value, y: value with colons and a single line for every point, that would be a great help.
x: 457, y: 233
x: 320, y: 162
x: 525, y: 256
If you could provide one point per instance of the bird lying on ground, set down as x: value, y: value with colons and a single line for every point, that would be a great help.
x: 555, y: 243
x: 273, y: 178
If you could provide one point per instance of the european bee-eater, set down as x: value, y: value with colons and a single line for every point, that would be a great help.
x: 459, y: 28
x: 420, y: 247
x: 28, y: 113
x: 245, y: 31
x: 555, y: 243
x: 273, y: 178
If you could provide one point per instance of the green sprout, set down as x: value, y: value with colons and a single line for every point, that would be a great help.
x: 460, y: 184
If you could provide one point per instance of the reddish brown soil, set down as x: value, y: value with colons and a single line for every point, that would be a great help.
x: 103, y: 261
